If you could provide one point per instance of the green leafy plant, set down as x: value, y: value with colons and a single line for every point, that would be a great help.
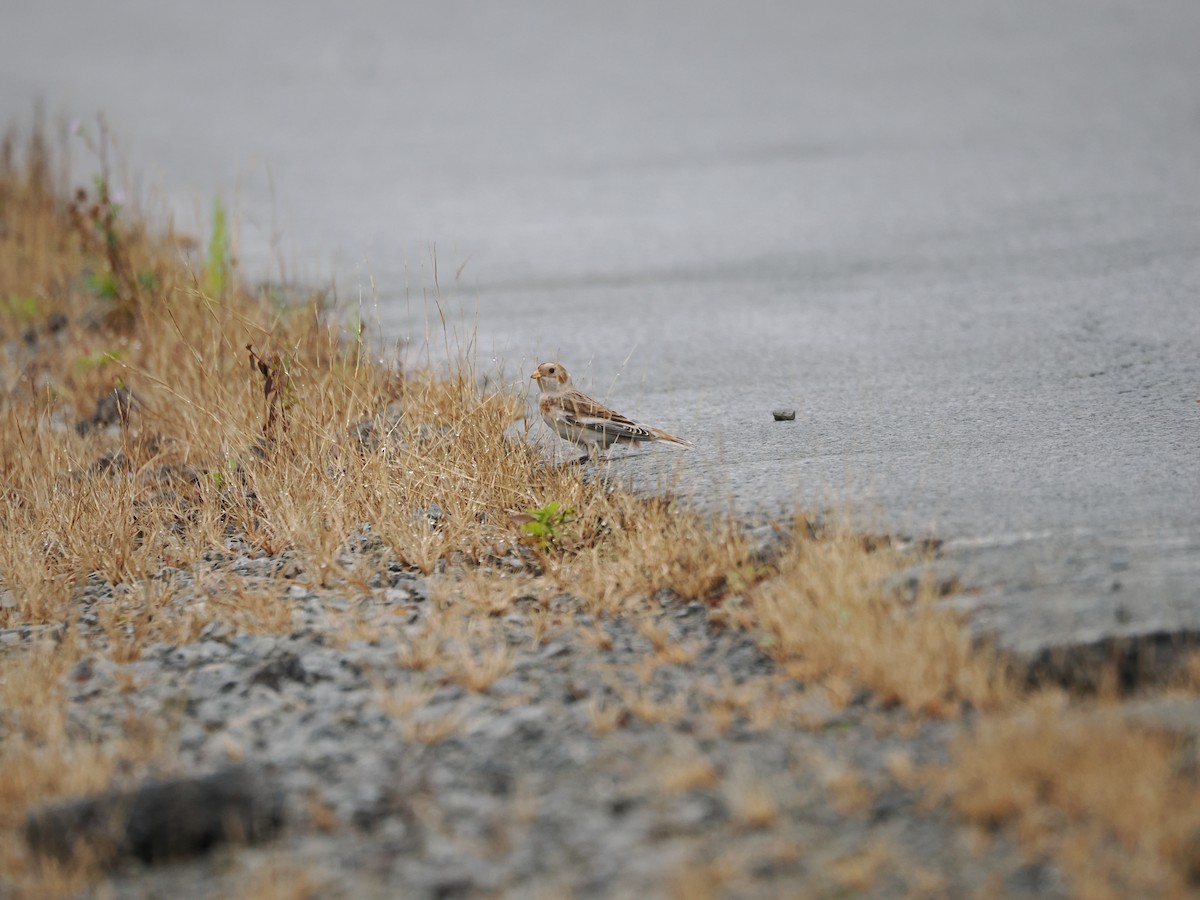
x: 543, y: 525
x: 226, y: 473
x: 102, y: 285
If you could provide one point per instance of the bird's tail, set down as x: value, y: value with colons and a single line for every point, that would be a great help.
x: 667, y: 437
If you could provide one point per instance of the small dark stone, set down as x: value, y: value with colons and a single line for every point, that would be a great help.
x: 112, y: 407
x: 887, y: 806
x: 109, y: 461
x: 498, y: 777
x: 285, y: 667
x: 451, y: 886
x: 619, y: 806
x: 160, y: 820
x: 431, y: 514
x: 363, y: 433
x: 784, y: 415
x: 575, y: 691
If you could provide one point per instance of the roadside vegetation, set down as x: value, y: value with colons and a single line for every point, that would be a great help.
x: 159, y: 416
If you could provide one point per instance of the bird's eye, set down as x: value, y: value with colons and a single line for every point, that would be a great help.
x: 552, y: 370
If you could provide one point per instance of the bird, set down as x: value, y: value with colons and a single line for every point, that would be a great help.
x: 576, y: 417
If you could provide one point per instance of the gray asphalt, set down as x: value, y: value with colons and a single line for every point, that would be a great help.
x: 962, y: 239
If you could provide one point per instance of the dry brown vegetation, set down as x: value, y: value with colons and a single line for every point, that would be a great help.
x: 158, y: 416
x: 1114, y: 801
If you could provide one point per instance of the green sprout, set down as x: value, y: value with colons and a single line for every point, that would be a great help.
x: 545, y: 523
x: 216, y: 264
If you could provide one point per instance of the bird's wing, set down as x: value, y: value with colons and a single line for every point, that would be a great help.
x: 581, y: 411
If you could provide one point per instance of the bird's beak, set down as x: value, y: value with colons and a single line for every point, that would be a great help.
x: 536, y: 376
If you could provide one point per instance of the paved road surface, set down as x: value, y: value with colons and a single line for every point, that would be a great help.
x: 961, y: 238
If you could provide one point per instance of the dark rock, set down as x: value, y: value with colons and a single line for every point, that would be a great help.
x: 112, y: 407
x: 108, y: 462
x: 431, y: 514
x: 285, y: 667
x: 888, y: 805
x: 784, y: 415
x: 160, y: 820
x: 371, y: 434
x: 1035, y: 879
x: 27, y: 633
x: 452, y: 886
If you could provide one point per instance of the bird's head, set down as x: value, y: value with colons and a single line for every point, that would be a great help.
x: 551, y: 376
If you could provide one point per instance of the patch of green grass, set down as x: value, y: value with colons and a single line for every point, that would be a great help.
x: 91, y: 362
x: 23, y: 308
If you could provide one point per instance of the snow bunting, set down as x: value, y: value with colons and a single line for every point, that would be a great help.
x: 575, y: 416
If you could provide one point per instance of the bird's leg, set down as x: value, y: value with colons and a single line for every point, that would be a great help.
x: 577, y: 460
x: 594, y: 454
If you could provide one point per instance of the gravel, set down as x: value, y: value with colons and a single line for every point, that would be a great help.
x: 582, y: 769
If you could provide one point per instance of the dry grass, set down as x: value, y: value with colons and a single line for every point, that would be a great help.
x: 858, y: 871
x: 1115, y: 802
x: 699, y: 879
x: 142, y: 442
x: 686, y: 768
x: 827, y: 619
x: 751, y: 803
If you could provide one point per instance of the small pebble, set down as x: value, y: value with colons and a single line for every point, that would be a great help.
x: 784, y: 415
